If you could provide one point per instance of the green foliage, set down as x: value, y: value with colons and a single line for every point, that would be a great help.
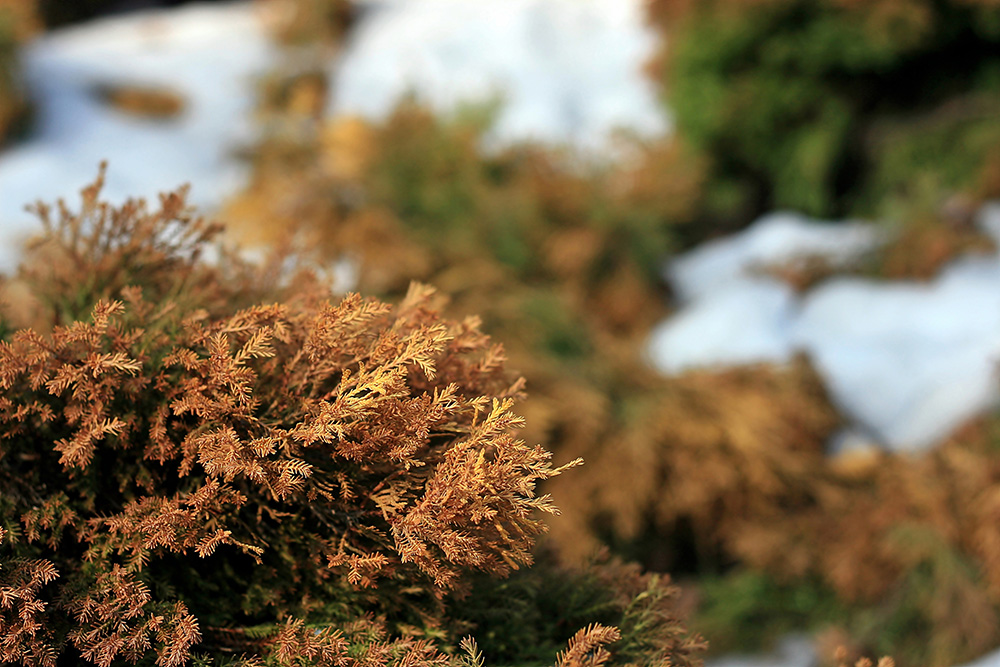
x: 747, y: 610
x: 932, y: 616
x: 949, y: 150
x: 523, y: 619
x: 936, y: 614
x: 792, y: 99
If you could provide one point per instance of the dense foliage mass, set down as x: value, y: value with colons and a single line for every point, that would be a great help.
x: 193, y: 471
x: 912, y: 546
x: 835, y: 106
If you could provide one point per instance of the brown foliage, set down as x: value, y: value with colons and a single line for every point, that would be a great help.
x: 310, y: 22
x: 842, y: 661
x: 923, y: 247
x: 338, y: 445
x: 551, y: 256
x: 22, y: 16
x: 915, y: 531
x: 566, y: 280
x: 22, y: 633
x: 586, y: 648
x: 712, y: 448
x: 158, y: 103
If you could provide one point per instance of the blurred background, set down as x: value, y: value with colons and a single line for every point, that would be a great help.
x: 744, y: 251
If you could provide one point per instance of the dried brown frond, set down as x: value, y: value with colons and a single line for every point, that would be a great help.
x: 24, y: 635
x: 842, y: 660
x: 115, y: 620
x: 470, y: 656
x: 310, y: 22
x: 136, y: 252
x: 923, y: 247
x: 586, y: 648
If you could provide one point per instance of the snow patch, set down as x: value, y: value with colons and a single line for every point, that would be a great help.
x: 775, y: 239
x: 747, y: 323
x: 988, y: 660
x: 907, y: 362
x: 910, y: 362
x: 565, y: 71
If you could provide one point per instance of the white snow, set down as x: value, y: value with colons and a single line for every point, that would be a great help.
x: 209, y: 54
x: 907, y: 362
x: 774, y: 239
x: 565, y: 71
x: 910, y: 362
x: 747, y: 322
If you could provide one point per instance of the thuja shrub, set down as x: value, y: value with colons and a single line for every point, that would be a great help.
x: 833, y: 106
x: 560, y: 263
x: 186, y: 478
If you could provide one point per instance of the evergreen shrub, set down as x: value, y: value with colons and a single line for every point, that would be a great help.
x: 213, y: 463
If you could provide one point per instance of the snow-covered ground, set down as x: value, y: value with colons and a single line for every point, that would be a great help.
x: 565, y: 70
x: 907, y: 361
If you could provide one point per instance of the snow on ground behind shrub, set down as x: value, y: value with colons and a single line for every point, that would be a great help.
x: 908, y: 362
x: 565, y: 71
x: 774, y: 239
x: 749, y: 321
